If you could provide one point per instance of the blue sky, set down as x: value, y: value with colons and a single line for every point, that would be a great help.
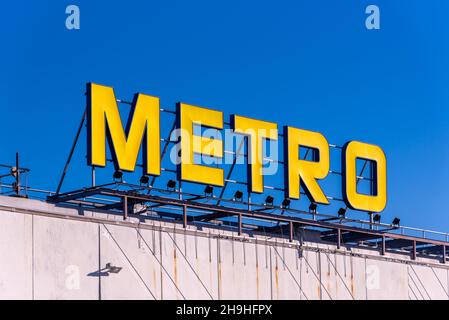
x: 308, y: 64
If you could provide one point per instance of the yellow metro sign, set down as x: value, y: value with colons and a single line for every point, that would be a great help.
x: 143, y: 128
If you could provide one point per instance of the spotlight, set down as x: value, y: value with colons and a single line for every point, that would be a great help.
x: 208, y: 190
x: 171, y: 184
x: 286, y: 203
x: 269, y: 200
x: 376, y: 218
x: 313, y: 207
x: 342, y: 212
x: 144, y: 179
x: 118, y: 175
x: 395, y: 222
x: 112, y: 269
x: 238, y: 195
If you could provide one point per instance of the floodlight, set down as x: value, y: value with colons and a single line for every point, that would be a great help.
x: 144, y: 179
x: 238, y: 195
x: 286, y: 203
x: 269, y: 200
x: 208, y: 190
x: 395, y: 222
x: 171, y: 184
x: 118, y: 175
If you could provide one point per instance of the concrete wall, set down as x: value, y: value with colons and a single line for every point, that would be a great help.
x: 49, y: 252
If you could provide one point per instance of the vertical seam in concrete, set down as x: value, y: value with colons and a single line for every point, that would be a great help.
x: 99, y: 262
x: 32, y: 257
x: 300, y: 274
x: 185, y: 243
x: 244, y: 254
x: 266, y: 254
x: 233, y: 258
x: 160, y: 253
x: 366, y: 286
x: 297, y: 258
x: 153, y: 237
x: 210, y: 247
x: 196, y: 244
x: 218, y: 269
x: 319, y: 273
x: 271, y: 276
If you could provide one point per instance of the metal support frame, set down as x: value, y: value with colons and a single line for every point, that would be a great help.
x: 164, y: 151
x: 234, y: 161
x: 338, y: 238
x: 125, y: 207
x: 240, y: 224
x: 444, y: 254
x: 72, y: 149
x: 195, y: 209
x: 15, y: 172
x: 17, y: 175
x: 184, y: 217
x: 290, y: 227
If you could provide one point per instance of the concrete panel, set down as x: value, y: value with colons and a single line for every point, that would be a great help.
x: 335, y: 277
x: 237, y: 280
x: 16, y: 268
x: 386, y: 280
x: 287, y: 274
x: 65, y: 252
x: 191, y: 278
x: 62, y: 257
x: 310, y: 275
x: 202, y: 254
x: 358, y: 277
x: 263, y: 272
x: 191, y: 281
x: 427, y: 283
x: 133, y: 250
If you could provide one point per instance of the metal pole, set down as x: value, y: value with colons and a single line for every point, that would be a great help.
x: 372, y: 172
x: 444, y: 254
x: 383, y: 246
x: 184, y: 216
x: 240, y: 224
x: 234, y: 161
x: 125, y: 207
x: 357, y: 180
x: 72, y: 149
x: 93, y: 176
x: 291, y: 231
x: 338, y: 238
x: 371, y: 221
x: 164, y: 151
x: 17, y: 175
x: 414, y: 250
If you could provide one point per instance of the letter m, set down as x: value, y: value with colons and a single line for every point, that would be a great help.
x: 103, y: 120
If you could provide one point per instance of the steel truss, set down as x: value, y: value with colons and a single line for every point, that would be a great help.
x: 125, y: 199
